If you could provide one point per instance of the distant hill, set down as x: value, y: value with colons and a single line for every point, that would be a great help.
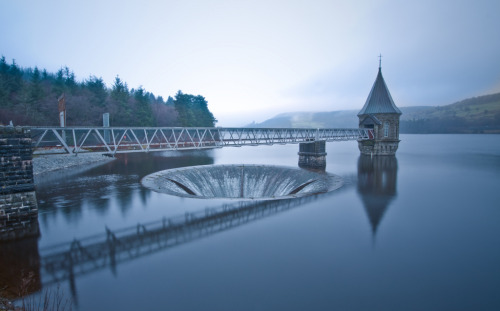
x: 474, y: 115
x: 343, y: 118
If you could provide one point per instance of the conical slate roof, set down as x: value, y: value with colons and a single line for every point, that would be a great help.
x: 379, y: 100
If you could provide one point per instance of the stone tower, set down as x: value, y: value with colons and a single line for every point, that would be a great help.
x: 380, y: 114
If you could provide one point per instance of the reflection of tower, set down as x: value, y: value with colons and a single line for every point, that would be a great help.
x: 377, y: 183
x: 69, y: 261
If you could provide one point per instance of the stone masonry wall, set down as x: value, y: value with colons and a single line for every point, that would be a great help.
x: 393, y: 121
x: 18, y: 205
x: 312, y: 155
x: 382, y: 145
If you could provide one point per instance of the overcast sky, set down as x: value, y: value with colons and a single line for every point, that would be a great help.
x: 254, y: 59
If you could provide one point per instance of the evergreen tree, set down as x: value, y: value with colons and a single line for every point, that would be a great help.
x: 69, y: 78
x: 36, y: 91
x: 182, y: 104
x: 4, y: 67
x: 203, y: 117
x: 59, y: 86
x: 193, y: 111
x: 120, y: 95
x: 143, y: 113
x: 34, y: 95
x: 98, y: 89
x: 159, y: 100
x: 170, y: 101
x: 15, y: 80
x: 4, y: 88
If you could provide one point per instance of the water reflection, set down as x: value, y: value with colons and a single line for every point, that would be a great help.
x: 67, y: 261
x: 68, y: 191
x: 19, y: 268
x: 377, y: 186
x: 316, y: 251
x: 377, y: 183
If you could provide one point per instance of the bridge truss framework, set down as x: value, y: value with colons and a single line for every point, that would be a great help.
x: 112, y: 140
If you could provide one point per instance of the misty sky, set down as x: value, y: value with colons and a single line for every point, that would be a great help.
x: 254, y: 59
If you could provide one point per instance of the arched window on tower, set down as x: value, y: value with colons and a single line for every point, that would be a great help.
x: 386, y: 129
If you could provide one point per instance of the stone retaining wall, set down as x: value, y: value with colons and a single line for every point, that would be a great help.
x: 18, y: 205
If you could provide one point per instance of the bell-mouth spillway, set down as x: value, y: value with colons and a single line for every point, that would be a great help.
x: 260, y: 182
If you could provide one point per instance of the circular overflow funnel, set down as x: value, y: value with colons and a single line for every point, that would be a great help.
x: 262, y: 182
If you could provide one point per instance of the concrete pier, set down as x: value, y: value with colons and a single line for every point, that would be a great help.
x: 312, y: 155
x: 18, y: 205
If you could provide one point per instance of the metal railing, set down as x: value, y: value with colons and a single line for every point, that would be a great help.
x: 114, y: 140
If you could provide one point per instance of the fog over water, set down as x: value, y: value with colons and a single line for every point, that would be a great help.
x: 418, y: 231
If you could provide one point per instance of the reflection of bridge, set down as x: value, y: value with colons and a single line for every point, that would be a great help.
x: 69, y: 260
x: 134, y: 139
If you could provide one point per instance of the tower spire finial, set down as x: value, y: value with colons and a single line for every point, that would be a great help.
x: 380, y: 61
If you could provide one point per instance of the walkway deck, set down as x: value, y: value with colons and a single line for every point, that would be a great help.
x: 114, y: 140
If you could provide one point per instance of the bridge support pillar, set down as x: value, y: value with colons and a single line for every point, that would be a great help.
x: 18, y: 204
x: 312, y: 155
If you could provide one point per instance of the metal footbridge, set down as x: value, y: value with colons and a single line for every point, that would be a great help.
x: 112, y: 140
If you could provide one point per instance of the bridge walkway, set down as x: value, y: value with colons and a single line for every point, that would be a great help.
x: 112, y: 140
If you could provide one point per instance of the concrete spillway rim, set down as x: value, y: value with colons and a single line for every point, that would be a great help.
x: 328, y: 181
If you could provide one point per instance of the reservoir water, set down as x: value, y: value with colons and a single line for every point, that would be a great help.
x: 420, y: 231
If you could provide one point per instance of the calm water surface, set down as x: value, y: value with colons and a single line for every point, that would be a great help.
x: 417, y: 232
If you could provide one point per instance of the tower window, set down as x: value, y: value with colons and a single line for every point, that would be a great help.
x: 386, y: 129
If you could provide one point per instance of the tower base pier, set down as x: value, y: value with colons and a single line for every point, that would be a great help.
x: 378, y: 147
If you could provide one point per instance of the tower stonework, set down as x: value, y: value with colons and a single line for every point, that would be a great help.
x: 380, y: 114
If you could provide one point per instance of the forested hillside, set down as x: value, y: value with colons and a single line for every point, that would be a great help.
x: 473, y: 115
x: 28, y: 96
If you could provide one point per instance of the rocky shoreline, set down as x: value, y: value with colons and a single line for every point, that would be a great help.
x: 49, y: 163
x: 7, y: 305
